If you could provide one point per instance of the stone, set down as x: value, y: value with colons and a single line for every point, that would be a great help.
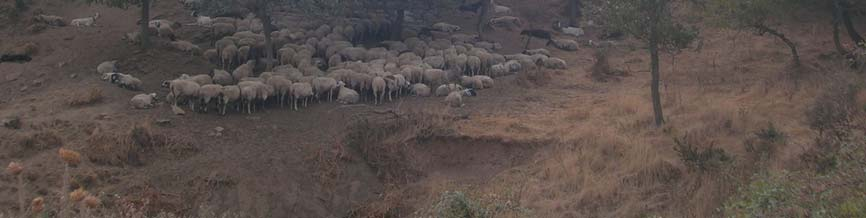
x: 177, y: 111
x: 12, y: 122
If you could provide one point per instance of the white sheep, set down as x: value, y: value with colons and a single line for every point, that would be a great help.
x: 248, y: 96
x: 437, y: 62
x: 243, y: 54
x: 455, y: 98
x: 347, y: 96
x: 229, y: 94
x: 354, y: 54
x: 223, y: 29
x: 186, y: 46
x: 209, y: 92
x: 282, y: 87
x: 435, y: 77
x: 486, y: 81
x: 85, y: 22
x: 508, y: 22
x: 420, y: 90
x: 301, y: 90
x: 186, y: 89
x: 324, y: 86
x: 204, y: 21
x: 554, y: 63
x: 212, y: 56
x: 445, y: 89
x: 244, y: 71
x: 574, y: 31
x: 471, y: 82
x: 473, y: 63
x: 50, y: 20
x: 106, y: 67
x: 379, y: 84
x: 499, y: 9
x: 537, y: 51
x: 228, y: 55
x: 143, y: 101
x: 446, y: 27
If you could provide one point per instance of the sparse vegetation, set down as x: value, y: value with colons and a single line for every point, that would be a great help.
x: 765, y: 142
x: 702, y: 159
x: 768, y: 195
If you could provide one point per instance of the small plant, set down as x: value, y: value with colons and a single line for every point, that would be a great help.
x: 455, y: 204
x: 703, y: 160
x: 765, y: 142
x: 89, y: 97
x: 16, y: 169
x: 766, y: 196
x: 851, y: 207
x: 70, y: 158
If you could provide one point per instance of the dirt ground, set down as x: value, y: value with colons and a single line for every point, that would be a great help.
x: 561, y: 146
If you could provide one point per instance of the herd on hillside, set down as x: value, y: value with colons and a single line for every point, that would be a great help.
x: 332, y: 62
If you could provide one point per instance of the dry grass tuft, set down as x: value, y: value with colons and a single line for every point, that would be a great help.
x: 111, y: 148
x: 601, y: 70
x: 89, y: 97
x: 534, y: 78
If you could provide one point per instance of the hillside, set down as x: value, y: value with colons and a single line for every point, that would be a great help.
x: 550, y: 144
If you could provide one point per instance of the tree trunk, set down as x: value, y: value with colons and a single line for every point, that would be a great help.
x: 849, y: 26
x: 144, y: 37
x: 397, y: 31
x: 269, y: 44
x: 656, y: 78
x: 837, y: 17
x: 794, y: 55
x: 485, y: 8
x: 573, y: 12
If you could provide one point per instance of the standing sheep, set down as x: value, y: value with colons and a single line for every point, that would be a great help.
x: 379, y: 86
x: 301, y: 90
x: 209, y: 92
x: 186, y: 89
x: 229, y: 94
x: 221, y: 77
x: 324, y: 85
x: 228, y: 55
x: 243, y: 71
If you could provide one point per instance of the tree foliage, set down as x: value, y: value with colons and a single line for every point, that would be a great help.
x: 760, y: 16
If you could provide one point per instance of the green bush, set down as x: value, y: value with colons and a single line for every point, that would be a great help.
x: 455, y: 204
x: 710, y: 158
x: 765, y: 196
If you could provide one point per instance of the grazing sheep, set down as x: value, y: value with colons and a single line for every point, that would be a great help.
x: 84, y: 22
x: 354, y: 54
x: 243, y: 54
x: 564, y: 44
x: 301, y: 90
x: 554, y: 63
x: 282, y: 87
x: 209, y: 92
x: 143, y: 101
x: 455, y: 98
x: 181, y: 88
x: 244, y: 71
x: 212, y: 56
x: 420, y: 90
x: 223, y: 29
x: 445, y: 27
x: 201, y: 79
x: 437, y: 62
x: 186, y: 46
x: 124, y: 80
x: 435, y: 77
x: 348, y: 96
x: 473, y: 63
x: 203, y: 21
x: 379, y: 86
x: 229, y: 94
x: 486, y: 81
x: 324, y: 85
x: 248, y: 95
x: 106, y: 67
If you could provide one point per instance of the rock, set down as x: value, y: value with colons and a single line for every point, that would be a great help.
x: 12, y: 122
x: 23, y: 89
x: 12, y: 76
x: 73, y: 76
x: 36, y: 82
x: 218, y: 129
x: 177, y: 110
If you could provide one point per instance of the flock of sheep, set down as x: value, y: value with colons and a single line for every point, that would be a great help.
x: 330, y: 62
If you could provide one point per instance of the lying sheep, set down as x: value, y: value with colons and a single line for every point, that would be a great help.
x: 106, y: 67
x: 499, y: 9
x: 209, y: 92
x: 455, y: 98
x: 486, y: 81
x: 84, y: 22
x: 229, y: 94
x: 508, y: 22
x: 420, y: 90
x: 564, y: 44
x: 446, y: 27
x: 348, y: 96
x: 50, y: 20
x: 123, y: 80
x: 143, y: 101
x: 186, y: 46
x: 537, y: 51
x: 554, y: 63
x: 471, y: 82
x: 444, y: 90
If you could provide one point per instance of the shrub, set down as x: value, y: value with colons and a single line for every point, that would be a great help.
x: 765, y: 142
x: 851, y: 207
x: 455, y: 204
x: 831, y: 116
x: 710, y: 158
x: 766, y: 196
x: 89, y: 97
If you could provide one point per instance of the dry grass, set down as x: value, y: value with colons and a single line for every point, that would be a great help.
x: 111, y: 148
x: 85, y: 98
